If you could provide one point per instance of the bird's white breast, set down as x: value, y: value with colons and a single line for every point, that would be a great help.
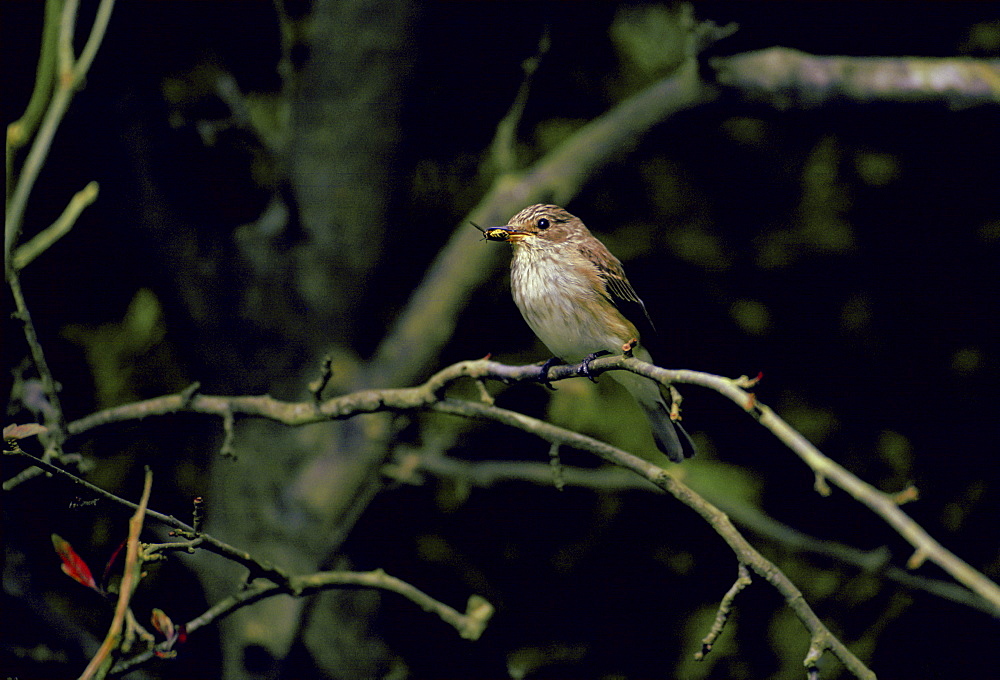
x: 560, y: 305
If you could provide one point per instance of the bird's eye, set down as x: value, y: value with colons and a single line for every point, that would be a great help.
x: 543, y: 223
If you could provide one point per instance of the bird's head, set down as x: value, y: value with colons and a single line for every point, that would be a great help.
x: 539, y: 226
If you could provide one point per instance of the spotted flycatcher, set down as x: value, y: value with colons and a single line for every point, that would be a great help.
x: 573, y: 293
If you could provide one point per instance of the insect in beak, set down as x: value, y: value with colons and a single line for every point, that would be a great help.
x: 493, y: 233
x: 497, y: 234
x: 500, y: 233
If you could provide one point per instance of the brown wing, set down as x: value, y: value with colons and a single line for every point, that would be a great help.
x: 621, y: 294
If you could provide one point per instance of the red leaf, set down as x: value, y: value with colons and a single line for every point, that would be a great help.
x: 162, y: 623
x: 72, y: 564
x: 111, y: 561
x: 23, y: 431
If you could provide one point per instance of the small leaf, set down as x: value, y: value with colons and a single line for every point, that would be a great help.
x: 23, y: 431
x: 112, y: 560
x: 162, y: 623
x: 72, y: 564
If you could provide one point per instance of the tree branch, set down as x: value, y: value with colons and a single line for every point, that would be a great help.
x: 44, y: 239
x: 427, y: 396
x: 70, y: 76
x: 470, y: 625
x: 101, y: 661
x: 725, y: 609
x: 258, y: 567
x: 790, y: 78
x: 55, y: 418
x: 717, y: 519
x: 408, y: 467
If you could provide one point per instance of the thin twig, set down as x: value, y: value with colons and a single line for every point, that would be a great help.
x: 555, y: 464
x: 319, y: 384
x: 101, y: 661
x: 44, y: 239
x: 722, y: 615
x: 228, y: 436
x: 56, y: 423
x: 257, y: 567
x: 97, y: 29
x: 470, y: 624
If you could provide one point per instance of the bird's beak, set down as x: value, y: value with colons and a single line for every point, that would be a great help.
x: 504, y: 234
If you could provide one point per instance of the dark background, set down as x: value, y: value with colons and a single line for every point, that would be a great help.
x: 849, y: 252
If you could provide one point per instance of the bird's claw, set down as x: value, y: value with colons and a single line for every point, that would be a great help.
x: 543, y: 372
x: 585, y: 364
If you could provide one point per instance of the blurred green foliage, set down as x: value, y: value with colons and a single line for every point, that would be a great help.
x: 127, y: 359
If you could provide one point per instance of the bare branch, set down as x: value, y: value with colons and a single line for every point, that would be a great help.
x: 427, y: 395
x: 487, y: 474
x: 725, y: 608
x: 717, y: 519
x: 319, y: 384
x: 44, y: 239
x: 70, y: 75
x: 470, y: 624
x: 790, y: 78
x: 55, y: 420
x: 101, y: 661
x: 258, y: 567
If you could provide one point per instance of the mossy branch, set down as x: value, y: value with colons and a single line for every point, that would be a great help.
x: 791, y: 78
x: 69, y: 77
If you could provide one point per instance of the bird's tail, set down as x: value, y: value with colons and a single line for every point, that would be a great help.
x: 670, y: 436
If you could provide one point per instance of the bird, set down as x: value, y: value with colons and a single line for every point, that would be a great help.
x: 574, y: 295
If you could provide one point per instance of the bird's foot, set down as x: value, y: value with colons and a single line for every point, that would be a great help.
x: 585, y: 365
x: 543, y: 372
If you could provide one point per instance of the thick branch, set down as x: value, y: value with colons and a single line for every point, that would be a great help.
x: 790, y: 78
x: 717, y: 519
